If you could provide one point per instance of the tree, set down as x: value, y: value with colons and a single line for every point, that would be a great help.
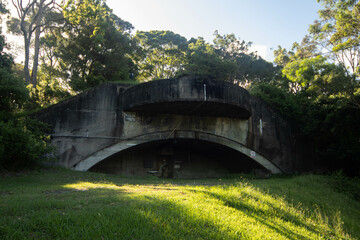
x: 21, y: 141
x: 318, y: 92
x: 248, y: 66
x: 31, y: 22
x: 229, y: 47
x: 338, y: 32
x: 317, y: 77
x: 13, y: 93
x: 164, y: 54
x: 94, y: 45
x: 204, y: 62
x: 282, y: 56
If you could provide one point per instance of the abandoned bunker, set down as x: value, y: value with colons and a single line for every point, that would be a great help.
x: 172, y: 128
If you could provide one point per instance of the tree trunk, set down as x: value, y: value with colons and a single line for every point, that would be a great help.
x: 26, y: 63
x: 34, y: 9
x: 36, y: 54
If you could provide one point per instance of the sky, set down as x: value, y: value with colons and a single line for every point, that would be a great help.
x: 266, y: 23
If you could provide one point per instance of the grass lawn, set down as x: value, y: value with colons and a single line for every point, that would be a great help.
x: 62, y: 204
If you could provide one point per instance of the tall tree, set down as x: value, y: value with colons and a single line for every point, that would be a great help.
x: 163, y: 54
x: 317, y: 77
x: 30, y: 23
x: 12, y: 90
x: 204, y: 62
x: 338, y: 31
x: 94, y: 46
x: 249, y: 67
x: 230, y: 47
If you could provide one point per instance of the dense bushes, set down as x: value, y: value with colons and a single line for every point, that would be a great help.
x: 329, y: 124
x: 21, y: 146
x: 22, y: 142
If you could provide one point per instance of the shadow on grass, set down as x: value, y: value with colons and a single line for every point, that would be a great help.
x: 265, y: 217
x: 105, y: 214
x: 114, y: 208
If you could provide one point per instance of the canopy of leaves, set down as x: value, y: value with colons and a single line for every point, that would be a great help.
x: 33, y: 17
x: 13, y: 93
x: 204, y: 62
x: 163, y: 54
x: 338, y: 32
x: 318, y: 77
x: 227, y: 59
x: 21, y: 141
x: 94, y: 45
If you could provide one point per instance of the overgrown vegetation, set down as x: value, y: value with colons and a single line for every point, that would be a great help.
x: 61, y: 204
x: 318, y: 88
x: 22, y: 142
x: 81, y: 44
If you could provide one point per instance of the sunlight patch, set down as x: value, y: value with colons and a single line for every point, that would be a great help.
x: 89, y: 185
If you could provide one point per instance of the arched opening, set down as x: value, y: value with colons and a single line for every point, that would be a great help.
x: 177, y: 158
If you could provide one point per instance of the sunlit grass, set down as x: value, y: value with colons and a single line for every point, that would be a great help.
x: 71, y: 205
x: 88, y: 185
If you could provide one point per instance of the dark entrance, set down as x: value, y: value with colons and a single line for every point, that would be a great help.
x: 178, y: 158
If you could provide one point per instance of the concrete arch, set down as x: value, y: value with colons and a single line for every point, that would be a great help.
x: 90, y: 161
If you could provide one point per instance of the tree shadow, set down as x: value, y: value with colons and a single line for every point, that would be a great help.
x: 115, y: 208
x: 264, y: 218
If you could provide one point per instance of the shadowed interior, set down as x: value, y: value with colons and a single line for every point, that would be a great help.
x: 196, y: 108
x: 179, y: 158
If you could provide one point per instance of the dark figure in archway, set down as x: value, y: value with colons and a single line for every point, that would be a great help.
x: 165, y: 169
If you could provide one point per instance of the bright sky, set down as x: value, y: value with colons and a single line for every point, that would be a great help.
x: 266, y: 23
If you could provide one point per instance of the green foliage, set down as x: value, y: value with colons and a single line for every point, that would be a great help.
x: 203, y: 62
x: 22, y: 145
x: 33, y: 17
x: 247, y: 67
x: 282, y: 56
x: 325, y: 91
x: 338, y: 32
x: 3, y: 9
x: 227, y: 59
x: 162, y: 56
x: 48, y: 91
x: 279, y: 99
x: 13, y: 93
x: 93, y: 46
x: 317, y: 77
x: 346, y: 185
x: 329, y: 124
x: 166, y: 55
x: 22, y: 141
x: 229, y: 47
x: 335, y: 133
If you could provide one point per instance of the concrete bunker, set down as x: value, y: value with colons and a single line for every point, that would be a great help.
x: 217, y: 125
x: 178, y: 158
x: 133, y: 156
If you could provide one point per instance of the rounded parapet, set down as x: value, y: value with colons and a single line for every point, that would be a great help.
x: 188, y: 96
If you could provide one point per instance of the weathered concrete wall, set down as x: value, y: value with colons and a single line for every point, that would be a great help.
x: 112, y: 118
x: 85, y: 123
x: 188, y: 96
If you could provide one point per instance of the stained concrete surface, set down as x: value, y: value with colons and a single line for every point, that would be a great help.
x: 111, y: 127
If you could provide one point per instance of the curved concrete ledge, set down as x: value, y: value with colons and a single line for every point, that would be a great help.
x: 187, y: 96
x: 101, y: 155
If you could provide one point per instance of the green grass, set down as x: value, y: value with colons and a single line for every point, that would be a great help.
x: 62, y: 204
